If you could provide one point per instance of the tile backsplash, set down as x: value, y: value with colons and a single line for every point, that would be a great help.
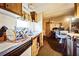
x: 7, y: 21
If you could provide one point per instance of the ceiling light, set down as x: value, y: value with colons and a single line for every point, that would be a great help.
x: 67, y: 19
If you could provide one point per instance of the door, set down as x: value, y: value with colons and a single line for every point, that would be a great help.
x: 47, y: 29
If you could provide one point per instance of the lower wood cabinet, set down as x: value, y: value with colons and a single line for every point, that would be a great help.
x: 34, y: 46
x: 27, y: 52
x: 41, y: 39
x: 37, y: 42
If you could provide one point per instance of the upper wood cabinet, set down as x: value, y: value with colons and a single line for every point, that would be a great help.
x: 25, y: 15
x: 2, y: 5
x: 19, y: 9
x: 13, y: 7
x: 78, y: 9
x: 76, y: 5
x: 33, y: 16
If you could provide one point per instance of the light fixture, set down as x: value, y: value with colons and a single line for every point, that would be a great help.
x: 71, y: 18
x: 68, y: 19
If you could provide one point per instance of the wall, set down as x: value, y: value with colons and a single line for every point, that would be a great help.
x: 34, y: 26
x: 61, y: 19
x: 8, y: 21
x: 38, y: 24
x: 11, y: 22
x: 54, y: 21
x: 21, y: 23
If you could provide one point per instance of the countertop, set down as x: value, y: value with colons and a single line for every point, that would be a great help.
x: 73, y: 34
x: 35, y: 34
x: 7, y: 44
x: 70, y: 34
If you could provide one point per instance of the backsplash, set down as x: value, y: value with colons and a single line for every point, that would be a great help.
x: 7, y: 21
x: 22, y: 32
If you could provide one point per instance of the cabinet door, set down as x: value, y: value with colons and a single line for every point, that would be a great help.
x: 36, y: 18
x: 29, y: 17
x: 33, y: 16
x: 41, y: 39
x: 25, y: 15
x: 77, y: 10
x: 14, y: 7
x: 34, y: 47
x: 2, y: 5
x: 47, y: 29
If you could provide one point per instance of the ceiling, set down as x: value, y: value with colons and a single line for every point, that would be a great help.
x: 52, y: 9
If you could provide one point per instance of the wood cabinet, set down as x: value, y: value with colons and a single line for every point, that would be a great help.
x: 27, y: 52
x: 33, y: 16
x: 29, y: 17
x: 2, y: 5
x: 12, y: 7
x: 76, y: 5
x: 26, y: 11
x: 37, y: 42
x: 34, y: 46
x: 25, y: 16
x: 19, y: 9
x: 48, y: 29
x: 41, y: 39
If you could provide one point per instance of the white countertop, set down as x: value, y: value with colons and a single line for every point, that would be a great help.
x: 70, y: 34
x: 73, y: 34
x: 7, y: 44
x: 35, y: 34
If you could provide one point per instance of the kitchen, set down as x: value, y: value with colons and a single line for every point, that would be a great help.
x: 21, y: 25
x: 59, y: 19
x: 61, y: 30
x: 39, y: 29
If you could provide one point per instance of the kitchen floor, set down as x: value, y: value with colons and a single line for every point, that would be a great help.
x: 51, y: 48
